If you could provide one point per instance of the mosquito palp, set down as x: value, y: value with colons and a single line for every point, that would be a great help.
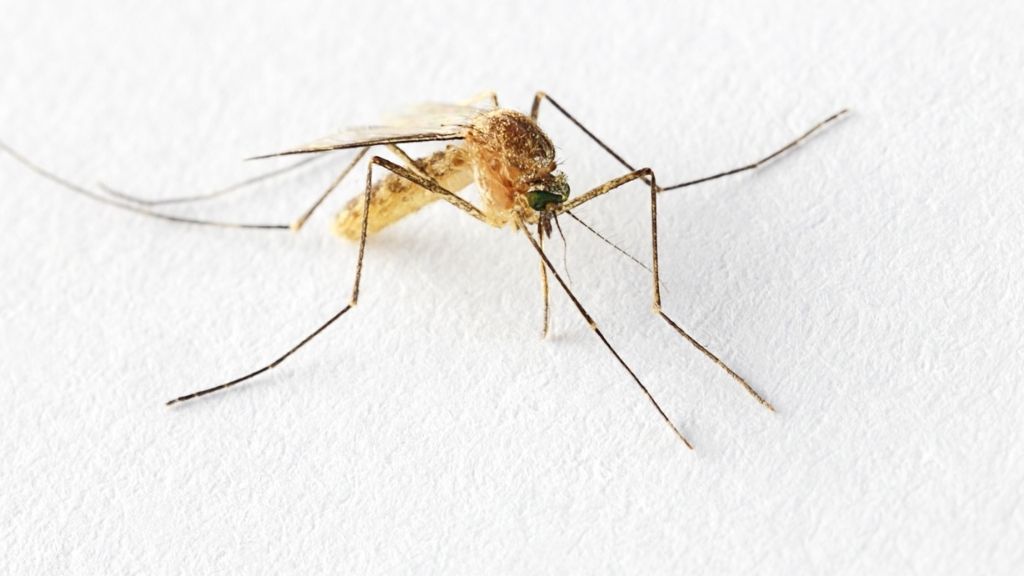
x: 606, y: 240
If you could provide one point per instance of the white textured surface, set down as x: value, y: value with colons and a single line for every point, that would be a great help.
x: 869, y: 284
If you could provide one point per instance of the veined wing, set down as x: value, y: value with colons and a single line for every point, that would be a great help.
x: 428, y: 122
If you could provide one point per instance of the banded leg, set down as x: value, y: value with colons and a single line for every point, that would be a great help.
x: 540, y: 96
x: 647, y: 175
x: 354, y: 298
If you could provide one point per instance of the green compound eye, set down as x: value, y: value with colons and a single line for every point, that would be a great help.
x: 540, y: 199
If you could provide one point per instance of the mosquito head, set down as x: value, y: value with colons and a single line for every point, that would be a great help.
x: 552, y: 190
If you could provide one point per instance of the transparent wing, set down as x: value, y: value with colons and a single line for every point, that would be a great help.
x: 422, y: 123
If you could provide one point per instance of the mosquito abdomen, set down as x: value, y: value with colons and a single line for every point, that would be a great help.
x: 394, y: 197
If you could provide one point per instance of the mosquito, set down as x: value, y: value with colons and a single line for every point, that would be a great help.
x: 509, y: 158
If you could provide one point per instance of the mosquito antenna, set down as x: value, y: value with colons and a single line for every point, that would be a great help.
x: 565, y: 248
x: 607, y: 241
x: 593, y: 326
x: 82, y: 191
x: 207, y: 195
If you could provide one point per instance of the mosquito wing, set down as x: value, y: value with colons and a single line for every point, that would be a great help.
x: 428, y: 122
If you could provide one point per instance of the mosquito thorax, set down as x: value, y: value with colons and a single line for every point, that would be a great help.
x: 511, y: 156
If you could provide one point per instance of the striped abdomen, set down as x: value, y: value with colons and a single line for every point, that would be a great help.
x: 394, y: 197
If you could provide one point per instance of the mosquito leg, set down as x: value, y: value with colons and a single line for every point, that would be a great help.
x: 540, y: 96
x: 431, y: 185
x: 754, y: 165
x: 593, y: 326
x: 301, y: 220
x: 354, y: 299
x: 544, y: 285
x: 647, y: 174
x: 208, y: 195
x: 83, y: 191
x: 410, y: 162
x: 535, y: 112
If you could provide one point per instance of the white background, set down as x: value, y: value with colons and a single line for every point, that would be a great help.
x: 869, y: 283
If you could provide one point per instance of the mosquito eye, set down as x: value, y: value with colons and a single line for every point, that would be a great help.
x: 539, y: 199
